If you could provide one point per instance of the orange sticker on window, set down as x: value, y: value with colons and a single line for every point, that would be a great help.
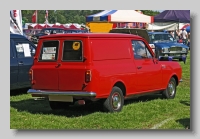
x: 76, y: 45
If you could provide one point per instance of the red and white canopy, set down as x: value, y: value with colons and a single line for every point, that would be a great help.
x: 120, y: 16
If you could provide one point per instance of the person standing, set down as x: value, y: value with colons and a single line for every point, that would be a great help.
x: 184, y: 36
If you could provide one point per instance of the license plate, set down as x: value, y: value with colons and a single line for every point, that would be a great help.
x: 60, y: 98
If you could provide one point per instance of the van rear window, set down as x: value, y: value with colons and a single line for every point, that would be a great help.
x: 49, y: 51
x: 72, y: 51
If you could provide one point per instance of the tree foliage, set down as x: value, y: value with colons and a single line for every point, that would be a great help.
x: 67, y: 16
x: 150, y: 12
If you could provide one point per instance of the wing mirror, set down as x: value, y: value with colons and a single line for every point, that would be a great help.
x: 155, y: 60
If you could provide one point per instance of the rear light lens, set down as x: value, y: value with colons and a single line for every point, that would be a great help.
x: 30, y: 74
x: 88, y: 76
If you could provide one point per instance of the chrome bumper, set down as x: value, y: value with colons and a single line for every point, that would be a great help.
x: 66, y: 93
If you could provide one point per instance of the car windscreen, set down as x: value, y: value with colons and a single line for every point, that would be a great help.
x: 155, y: 38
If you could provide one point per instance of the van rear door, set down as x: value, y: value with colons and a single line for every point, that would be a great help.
x: 73, y: 67
x: 45, y: 69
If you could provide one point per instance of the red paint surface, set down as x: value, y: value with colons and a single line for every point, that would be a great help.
x: 110, y: 59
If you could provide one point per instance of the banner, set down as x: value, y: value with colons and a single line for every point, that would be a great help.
x: 16, y: 22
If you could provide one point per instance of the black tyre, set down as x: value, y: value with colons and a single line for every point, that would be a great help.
x: 56, y: 105
x: 115, y: 101
x: 170, y: 91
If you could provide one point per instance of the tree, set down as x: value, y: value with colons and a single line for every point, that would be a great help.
x: 68, y: 16
x: 150, y: 12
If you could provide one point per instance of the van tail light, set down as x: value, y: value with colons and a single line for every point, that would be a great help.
x: 88, y: 76
x: 30, y: 74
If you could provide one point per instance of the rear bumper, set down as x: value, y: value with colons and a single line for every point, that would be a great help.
x: 65, y: 93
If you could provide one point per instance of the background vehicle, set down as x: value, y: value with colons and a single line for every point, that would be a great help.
x: 166, y: 47
x: 75, y: 31
x: 35, y: 38
x: 21, y: 60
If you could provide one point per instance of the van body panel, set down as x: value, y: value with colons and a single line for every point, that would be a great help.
x: 45, y: 76
x: 148, y: 79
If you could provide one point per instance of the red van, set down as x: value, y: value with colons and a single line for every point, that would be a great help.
x: 110, y: 67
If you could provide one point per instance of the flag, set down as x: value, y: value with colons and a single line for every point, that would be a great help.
x: 34, y: 17
x: 16, y: 22
x: 46, y: 15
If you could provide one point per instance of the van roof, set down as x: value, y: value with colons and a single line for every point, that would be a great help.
x: 17, y: 36
x: 93, y: 35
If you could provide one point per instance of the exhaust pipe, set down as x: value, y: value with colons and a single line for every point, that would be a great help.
x: 81, y: 102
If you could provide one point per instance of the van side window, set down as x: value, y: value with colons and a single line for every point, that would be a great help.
x: 49, y: 51
x: 72, y: 51
x: 24, y: 49
x: 140, y: 50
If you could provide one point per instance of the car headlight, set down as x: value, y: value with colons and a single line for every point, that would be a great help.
x: 184, y: 49
x: 164, y: 49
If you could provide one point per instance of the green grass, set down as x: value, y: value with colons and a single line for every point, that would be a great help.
x: 141, y: 113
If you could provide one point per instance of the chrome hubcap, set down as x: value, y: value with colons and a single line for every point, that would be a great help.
x: 171, y: 88
x: 116, y: 101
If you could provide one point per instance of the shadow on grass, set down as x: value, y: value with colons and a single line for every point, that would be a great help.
x: 18, y: 92
x: 41, y: 106
x: 143, y: 99
x: 187, y: 103
x: 185, y: 122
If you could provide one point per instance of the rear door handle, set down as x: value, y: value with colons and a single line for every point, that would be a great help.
x: 139, y: 67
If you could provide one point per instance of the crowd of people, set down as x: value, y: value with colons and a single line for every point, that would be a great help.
x: 182, y: 36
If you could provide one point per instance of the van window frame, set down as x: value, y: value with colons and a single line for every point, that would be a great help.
x: 147, y: 51
x: 41, y: 49
x: 72, y: 60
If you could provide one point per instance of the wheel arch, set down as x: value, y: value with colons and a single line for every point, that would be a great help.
x: 176, y: 78
x: 121, y: 85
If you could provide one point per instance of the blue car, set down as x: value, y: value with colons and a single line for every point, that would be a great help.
x: 22, y: 52
x: 166, y: 47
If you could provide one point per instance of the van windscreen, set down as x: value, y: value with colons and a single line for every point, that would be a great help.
x: 72, y: 51
x: 49, y: 51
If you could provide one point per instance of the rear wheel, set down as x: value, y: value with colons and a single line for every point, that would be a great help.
x: 115, y: 101
x: 170, y: 91
x: 55, y: 105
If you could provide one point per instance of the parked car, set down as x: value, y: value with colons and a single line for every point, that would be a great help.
x: 107, y: 67
x: 21, y: 60
x: 166, y: 47
x: 46, y: 31
x: 75, y: 31
x: 163, y: 44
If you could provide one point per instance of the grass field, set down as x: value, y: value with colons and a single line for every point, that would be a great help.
x: 150, y: 112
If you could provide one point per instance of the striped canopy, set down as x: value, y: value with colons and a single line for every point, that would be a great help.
x: 120, y: 16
